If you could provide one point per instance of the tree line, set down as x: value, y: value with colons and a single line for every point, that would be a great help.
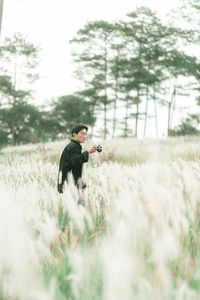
x: 20, y: 120
x: 124, y: 66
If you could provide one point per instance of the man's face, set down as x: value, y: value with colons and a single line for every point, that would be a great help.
x: 81, y: 136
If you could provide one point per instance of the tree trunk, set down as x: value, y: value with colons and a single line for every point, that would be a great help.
x: 13, y: 134
x: 168, y: 123
x: 137, y: 113
x: 155, y: 110
x: 146, y: 112
x: 126, y: 119
x: 173, y: 107
x: 116, y: 94
x: 170, y: 104
x: 93, y: 108
x: 106, y: 83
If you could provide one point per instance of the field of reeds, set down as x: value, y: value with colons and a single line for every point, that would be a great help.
x: 138, y: 237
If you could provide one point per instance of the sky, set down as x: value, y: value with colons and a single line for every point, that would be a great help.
x: 52, y: 23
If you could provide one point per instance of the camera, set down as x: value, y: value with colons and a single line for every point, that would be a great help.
x: 99, y: 148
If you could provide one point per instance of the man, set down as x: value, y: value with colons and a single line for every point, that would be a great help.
x: 72, y: 159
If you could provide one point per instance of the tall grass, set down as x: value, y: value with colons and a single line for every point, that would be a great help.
x: 137, y: 237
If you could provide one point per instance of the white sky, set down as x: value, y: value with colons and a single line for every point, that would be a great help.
x: 52, y: 23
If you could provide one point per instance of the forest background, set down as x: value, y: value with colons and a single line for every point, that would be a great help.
x: 137, y: 76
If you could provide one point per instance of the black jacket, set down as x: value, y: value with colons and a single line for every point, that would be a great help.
x: 71, y: 161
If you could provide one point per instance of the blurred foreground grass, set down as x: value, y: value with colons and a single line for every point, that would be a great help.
x: 137, y: 238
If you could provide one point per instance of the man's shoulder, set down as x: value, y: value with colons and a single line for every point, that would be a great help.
x: 71, y: 145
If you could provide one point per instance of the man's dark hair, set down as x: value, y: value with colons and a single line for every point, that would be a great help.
x: 79, y: 127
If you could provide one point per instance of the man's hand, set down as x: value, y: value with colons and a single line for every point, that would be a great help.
x: 92, y: 149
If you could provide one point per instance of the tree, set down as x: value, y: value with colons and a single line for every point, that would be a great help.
x: 177, y: 65
x: 187, y: 127
x: 128, y: 64
x: 19, y: 122
x: 146, y: 41
x: 159, y: 56
x: 49, y: 128
x: 92, y: 55
x: 5, y: 86
x: 19, y: 59
x: 71, y: 109
x: 188, y: 16
x: 90, y: 95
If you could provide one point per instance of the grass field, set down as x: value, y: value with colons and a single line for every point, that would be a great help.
x: 137, y: 238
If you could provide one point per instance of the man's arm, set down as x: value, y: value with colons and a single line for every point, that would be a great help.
x: 78, y: 158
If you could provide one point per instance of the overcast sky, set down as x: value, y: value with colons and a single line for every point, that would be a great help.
x: 52, y: 23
